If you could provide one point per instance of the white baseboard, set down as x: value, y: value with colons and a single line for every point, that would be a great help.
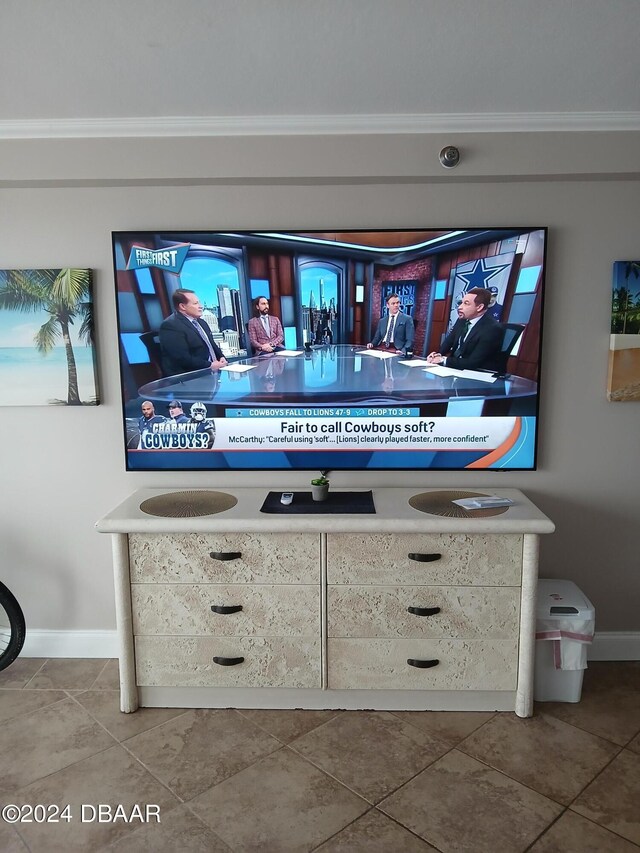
x: 607, y: 645
x: 615, y: 645
x: 70, y: 644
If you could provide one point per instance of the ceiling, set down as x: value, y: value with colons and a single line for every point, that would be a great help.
x: 539, y: 62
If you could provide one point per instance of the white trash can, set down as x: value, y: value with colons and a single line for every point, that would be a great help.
x: 565, y: 622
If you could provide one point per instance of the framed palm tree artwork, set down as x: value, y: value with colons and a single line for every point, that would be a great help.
x: 47, y: 352
x: 624, y: 347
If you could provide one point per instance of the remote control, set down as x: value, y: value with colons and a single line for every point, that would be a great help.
x: 286, y: 498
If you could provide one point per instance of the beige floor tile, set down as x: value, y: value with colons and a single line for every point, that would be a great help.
x: 47, y: 740
x: 550, y: 756
x: 614, y: 715
x: 68, y: 673
x: 16, y: 703
x: 111, y: 778
x: 613, y: 799
x: 179, y: 832
x: 104, y: 705
x: 278, y: 799
x: 281, y: 804
x: 372, y: 752
x: 459, y: 804
x: 449, y: 726
x: 288, y: 725
x: 109, y: 678
x: 200, y: 748
x: 375, y: 833
x: 20, y: 672
x: 10, y: 841
x: 575, y: 834
x: 610, y: 675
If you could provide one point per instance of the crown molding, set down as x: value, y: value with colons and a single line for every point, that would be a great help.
x: 194, y: 126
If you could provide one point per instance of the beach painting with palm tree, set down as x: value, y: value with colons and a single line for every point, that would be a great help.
x: 624, y: 346
x: 47, y: 352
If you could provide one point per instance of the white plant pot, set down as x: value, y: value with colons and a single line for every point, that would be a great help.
x: 319, y: 493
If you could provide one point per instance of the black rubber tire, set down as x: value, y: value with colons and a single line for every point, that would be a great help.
x: 12, y: 628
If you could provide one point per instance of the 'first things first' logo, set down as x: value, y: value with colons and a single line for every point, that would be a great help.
x: 169, y: 259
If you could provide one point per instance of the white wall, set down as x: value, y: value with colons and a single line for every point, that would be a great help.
x: 63, y: 468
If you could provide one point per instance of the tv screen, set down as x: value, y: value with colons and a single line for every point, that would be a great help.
x: 325, y: 350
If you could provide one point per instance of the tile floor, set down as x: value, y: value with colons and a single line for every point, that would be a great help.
x: 565, y: 781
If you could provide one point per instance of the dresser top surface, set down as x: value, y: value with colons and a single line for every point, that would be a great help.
x: 394, y: 514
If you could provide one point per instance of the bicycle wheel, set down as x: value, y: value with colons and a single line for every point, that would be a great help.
x: 12, y: 627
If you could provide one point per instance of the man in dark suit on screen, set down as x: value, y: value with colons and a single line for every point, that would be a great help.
x: 475, y: 340
x: 395, y: 331
x: 186, y: 340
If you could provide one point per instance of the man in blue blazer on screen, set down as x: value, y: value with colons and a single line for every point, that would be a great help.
x: 396, y: 330
x: 186, y: 340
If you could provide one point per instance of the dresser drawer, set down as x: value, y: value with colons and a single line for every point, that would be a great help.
x: 265, y: 610
x: 383, y: 611
x: 188, y: 662
x: 382, y: 664
x: 413, y: 559
x: 225, y: 558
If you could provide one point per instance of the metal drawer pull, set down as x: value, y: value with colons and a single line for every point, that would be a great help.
x: 423, y: 611
x: 422, y: 664
x: 225, y: 556
x: 425, y: 558
x: 227, y: 661
x: 226, y: 608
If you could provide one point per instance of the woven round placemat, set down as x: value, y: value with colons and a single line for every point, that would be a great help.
x: 188, y: 504
x: 440, y: 503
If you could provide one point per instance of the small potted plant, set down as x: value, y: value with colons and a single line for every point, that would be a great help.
x: 320, y: 488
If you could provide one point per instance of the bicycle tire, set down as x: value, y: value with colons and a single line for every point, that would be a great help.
x: 12, y: 627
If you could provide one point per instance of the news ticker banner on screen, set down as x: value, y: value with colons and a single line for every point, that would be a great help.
x: 493, y: 441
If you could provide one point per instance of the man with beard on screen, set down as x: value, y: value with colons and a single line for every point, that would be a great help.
x: 475, y: 339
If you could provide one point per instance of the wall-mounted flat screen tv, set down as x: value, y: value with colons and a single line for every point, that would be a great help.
x: 325, y: 350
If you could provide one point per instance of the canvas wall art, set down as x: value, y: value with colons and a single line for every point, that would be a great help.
x: 624, y: 347
x: 47, y: 352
